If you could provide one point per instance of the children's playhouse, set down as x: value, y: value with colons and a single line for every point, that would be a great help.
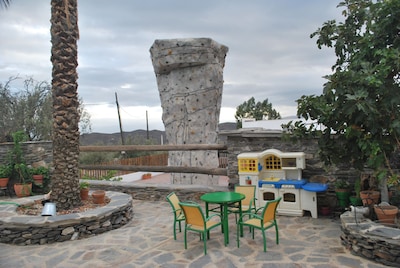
x: 279, y: 174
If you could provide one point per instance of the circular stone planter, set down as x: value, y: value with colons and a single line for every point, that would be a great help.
x: 370, y: 240
x: 29, y: 230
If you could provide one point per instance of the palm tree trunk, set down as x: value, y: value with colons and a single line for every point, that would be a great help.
x: 64, y: 57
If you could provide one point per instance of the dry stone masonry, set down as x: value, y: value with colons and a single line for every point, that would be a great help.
x: 190, y: 79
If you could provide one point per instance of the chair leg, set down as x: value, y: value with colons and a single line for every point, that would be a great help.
x: 277, y: 234
x: 185, y: 236
x: 174, y: 230
x: 205, y: 244
x: 264, y: 240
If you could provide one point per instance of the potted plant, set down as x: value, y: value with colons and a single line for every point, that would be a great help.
x: 5, y: 173
x: 370, y: 197
x: 342, y: 190
x: 24, y: 187
x: 39, y: 174
x: 355, y: 199
x: 20, y: 171
x: 386, y: 213
x: 84, y: 190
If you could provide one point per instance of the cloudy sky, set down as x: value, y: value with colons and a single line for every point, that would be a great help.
x: 270, y: 52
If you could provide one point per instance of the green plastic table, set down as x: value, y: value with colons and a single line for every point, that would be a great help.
x: 223, y: 199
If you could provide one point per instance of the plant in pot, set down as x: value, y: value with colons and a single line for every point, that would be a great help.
x: 20, y: 171
x: 39, y: 175
x: 5, y: 173
x: 84, y: 190
x: 355, y: 199
x: 342, y: 190
x: 24, y: 187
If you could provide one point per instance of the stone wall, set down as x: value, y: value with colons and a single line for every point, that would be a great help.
x: 258, y: 140
x: 34, y: 151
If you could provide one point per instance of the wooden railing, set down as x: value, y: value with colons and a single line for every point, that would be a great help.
x: 151, y: 160
x: 158, y: 168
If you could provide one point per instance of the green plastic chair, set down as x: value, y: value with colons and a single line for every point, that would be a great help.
x: 266, y: 220
x: 197, y: 222
x: 177, y: 211
x: 248, y: 204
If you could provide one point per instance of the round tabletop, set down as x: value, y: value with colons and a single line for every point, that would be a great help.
x: 222, y: 197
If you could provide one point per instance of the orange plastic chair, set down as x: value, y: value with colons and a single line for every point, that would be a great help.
x: 176, y: 210
x: 266, y: 220
x: 249, y: 203
x: 196, y: 221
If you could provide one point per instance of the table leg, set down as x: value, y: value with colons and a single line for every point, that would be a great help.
x: 225, y: 223
x: 208, y: 233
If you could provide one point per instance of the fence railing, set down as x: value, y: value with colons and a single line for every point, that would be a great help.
x: 145, y: 166
x: 151, y: 160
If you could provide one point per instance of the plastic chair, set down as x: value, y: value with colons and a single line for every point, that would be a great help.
x: 176, y: 210
x: 196, y: 221
x: 266, y: 220
x: 249, y: 203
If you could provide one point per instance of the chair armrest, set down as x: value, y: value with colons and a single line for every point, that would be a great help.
x: 213, y: 215
x: 251, y: 215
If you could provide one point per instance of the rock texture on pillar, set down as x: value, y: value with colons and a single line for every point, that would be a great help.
x: 190, y: 79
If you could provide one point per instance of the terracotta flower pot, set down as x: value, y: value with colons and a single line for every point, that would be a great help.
x: 98, y: 196
x: 146, y: 176
x: 386, y: 214
x: 370, y: 197
x: 84, y: 193
x: 38, y: 179
x: 23, y: 189
x: 4, y: 182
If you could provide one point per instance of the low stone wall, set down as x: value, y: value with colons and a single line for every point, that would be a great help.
x: 370, y: 240
x: 29, y: 230
x: 155, y: 192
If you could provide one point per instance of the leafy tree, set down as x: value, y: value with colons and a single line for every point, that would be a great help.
x: 360, y: 104
x: 29, y: 109
x: 258, y: 111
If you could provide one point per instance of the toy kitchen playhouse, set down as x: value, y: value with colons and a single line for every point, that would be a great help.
x: 279, y: 174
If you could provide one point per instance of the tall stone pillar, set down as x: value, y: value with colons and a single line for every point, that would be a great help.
x: 190, y: 78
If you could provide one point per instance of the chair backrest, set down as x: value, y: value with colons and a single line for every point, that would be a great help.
x: 249, y: 191
x: 174, y: 201
x: 269, y: 211
x: 193, y: 214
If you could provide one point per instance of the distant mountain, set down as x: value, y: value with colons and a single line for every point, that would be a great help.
x: 134, y: 137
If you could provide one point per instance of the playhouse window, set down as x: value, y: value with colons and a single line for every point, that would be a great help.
x: 272, y: 162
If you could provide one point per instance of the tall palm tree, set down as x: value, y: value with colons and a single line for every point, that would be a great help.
x: 64, y: 57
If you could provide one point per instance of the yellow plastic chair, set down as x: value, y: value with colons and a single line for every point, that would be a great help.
x: 196, y: 221
x: 266, y: 220
x: 249, y: 203
x: 176, y: 210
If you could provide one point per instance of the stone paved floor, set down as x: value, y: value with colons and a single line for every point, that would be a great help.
x: 148, y: 242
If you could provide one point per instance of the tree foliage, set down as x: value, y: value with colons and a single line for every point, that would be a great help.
x: 259, y: 111
x: 29, y: 109
x: 360, y: 104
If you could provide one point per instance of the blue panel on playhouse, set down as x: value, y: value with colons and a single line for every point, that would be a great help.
x: 315, y: 187
x: 278, y: 184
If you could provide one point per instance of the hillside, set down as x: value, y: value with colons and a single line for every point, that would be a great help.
x: 134, y: 137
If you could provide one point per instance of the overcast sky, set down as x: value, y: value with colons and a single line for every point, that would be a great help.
x: 270, y: 53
